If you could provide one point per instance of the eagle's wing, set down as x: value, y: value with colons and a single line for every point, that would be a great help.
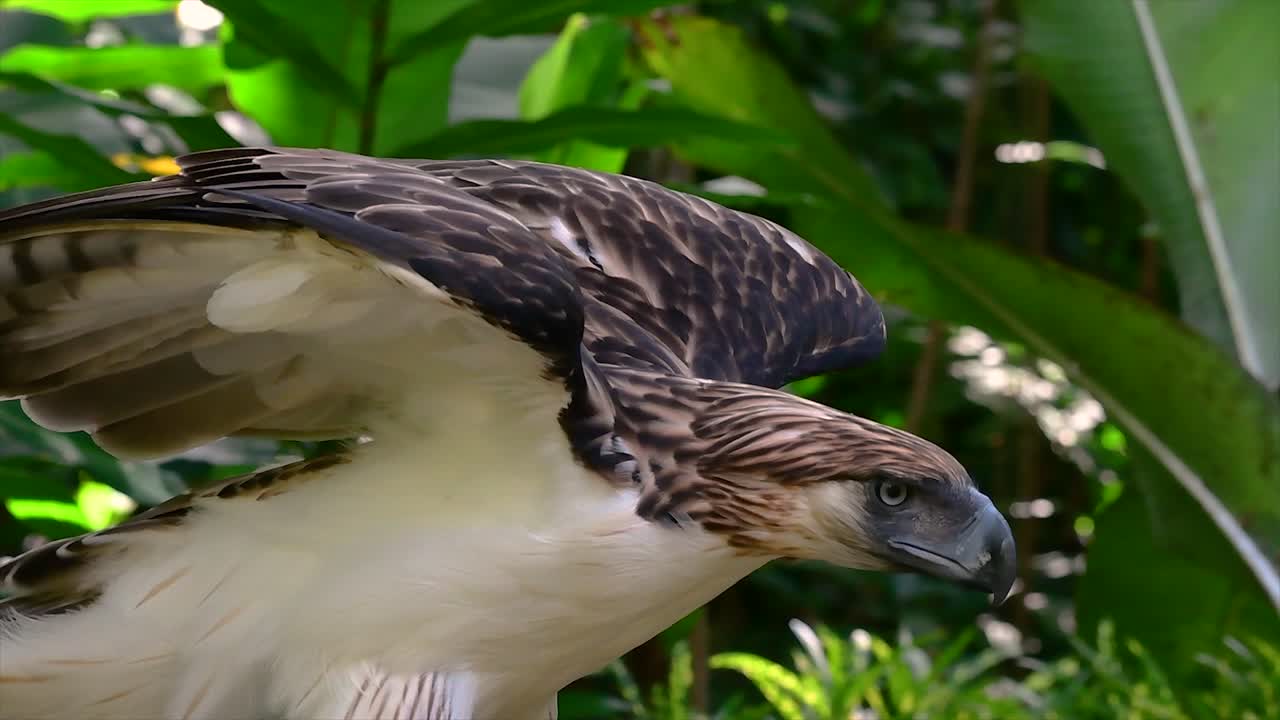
x: 683, y: 285
x: 297, y: 293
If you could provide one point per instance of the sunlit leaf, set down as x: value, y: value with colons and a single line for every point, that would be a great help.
x: 584, y: 67
x: 102, y: 505
x: 27, y: 510
x: 193, y: 69
x: 275, y: 32
x: 82, y: 10
x: 780, y: 686
x: 349, y: 99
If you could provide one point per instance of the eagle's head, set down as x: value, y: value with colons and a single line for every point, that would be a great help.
x: 797, y: 479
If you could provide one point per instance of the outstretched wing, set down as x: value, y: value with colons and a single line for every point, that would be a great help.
x: 298, y: 293
x: 684, y: 285
x: 294, y: 292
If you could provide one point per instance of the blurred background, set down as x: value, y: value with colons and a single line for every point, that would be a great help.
x: 1068, y: 211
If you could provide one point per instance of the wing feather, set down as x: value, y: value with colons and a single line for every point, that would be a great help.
x: 238, y: 299
x: 733, y: 296
x: 333, y: 263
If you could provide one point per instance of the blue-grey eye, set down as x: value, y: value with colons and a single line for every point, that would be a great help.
x: 892, y: 493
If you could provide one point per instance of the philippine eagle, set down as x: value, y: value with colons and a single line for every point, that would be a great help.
x: 569, y: 382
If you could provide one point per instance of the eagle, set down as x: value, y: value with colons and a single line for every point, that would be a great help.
x: 561, y: 396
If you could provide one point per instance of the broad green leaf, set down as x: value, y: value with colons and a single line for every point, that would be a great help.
x: 494, y: 18
x: 332, y: 86
x: 1130, y: 562
x: 584, y: 67
x: 35, y: 169
x: 76, y: 11
x: 41, y: 451
x: 198, y: 132
x: 30, y: 478
x: 92, y: 170
x: 277, y: 30
x: 645, y: 127
x: 1122, y: 350
x: 194, y: 69
x: 1185, y: 108
x: 712, y: 68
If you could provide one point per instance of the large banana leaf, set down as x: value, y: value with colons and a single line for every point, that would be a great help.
x: 1213, y: 428
x: 1183, y: 99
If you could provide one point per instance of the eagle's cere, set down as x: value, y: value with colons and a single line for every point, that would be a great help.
x: 569, y: 379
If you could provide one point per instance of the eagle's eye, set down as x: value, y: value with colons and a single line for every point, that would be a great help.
x: 892, y: 493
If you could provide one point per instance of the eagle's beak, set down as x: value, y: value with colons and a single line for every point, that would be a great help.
x: 981, y: 555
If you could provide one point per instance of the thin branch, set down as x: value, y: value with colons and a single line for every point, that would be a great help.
x: 700, y: 650
x: 378, y: 69
x: 957, y: 212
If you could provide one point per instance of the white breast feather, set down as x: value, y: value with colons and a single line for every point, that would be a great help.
x: 465, y: 539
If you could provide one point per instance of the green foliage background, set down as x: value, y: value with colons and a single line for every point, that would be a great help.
x: 1014, y: 182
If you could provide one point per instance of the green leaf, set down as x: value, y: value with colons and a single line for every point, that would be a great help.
x: 199, y: 132
x: 277, y: 30
x: 330, y: 86
x: 53, y: 455
x: 102, y: 505
x: 495, y: 18
x: 76, y: 11
x: 584, y: 67
x: 1126, y: 353
x: 1119, y: 348
x: 34, y: 169
x: 713, y: 69
x: 1131, y: 561
x: 1190, y: 95
x: 646, y: 127
x: 31, y: 478
x: 92, y: 170
x: 193, y: 69
x: 65, y: 513
x: 781, y: 687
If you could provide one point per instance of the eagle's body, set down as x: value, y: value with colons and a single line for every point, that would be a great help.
x: 494, y: 564
x: 567, y: 380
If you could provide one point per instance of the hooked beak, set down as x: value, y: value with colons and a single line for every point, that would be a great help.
x: 982, y: 555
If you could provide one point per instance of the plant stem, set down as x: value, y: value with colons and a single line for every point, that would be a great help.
x: 957, y: 212
x: 378, y: 69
